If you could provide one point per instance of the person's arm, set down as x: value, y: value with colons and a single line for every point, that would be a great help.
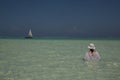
x: 86, y: 57
x: 98, y: 55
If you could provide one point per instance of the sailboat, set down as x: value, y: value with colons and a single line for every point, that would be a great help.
x: 29, y: 34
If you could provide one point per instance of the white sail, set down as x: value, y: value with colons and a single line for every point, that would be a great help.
x: 30, y: 33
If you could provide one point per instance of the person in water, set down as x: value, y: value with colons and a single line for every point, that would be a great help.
x: 92, y: 54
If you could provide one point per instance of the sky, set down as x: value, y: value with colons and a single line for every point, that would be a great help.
x: 60, y: 18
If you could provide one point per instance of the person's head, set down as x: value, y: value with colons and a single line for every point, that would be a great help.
x: 91, y: 46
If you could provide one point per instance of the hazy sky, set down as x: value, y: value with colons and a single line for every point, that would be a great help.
x: 64, y: 18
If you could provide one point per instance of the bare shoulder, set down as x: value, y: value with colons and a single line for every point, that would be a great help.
x: 96, y: 52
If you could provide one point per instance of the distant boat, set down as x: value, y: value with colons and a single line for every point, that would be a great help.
x: 29, y: 34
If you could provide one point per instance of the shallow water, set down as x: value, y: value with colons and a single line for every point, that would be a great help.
x: 24, y: 59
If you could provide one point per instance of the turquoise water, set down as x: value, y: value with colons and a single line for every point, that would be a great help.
x: 30, y: 59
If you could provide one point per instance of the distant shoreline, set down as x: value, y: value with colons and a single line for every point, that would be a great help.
x: 60, y: 38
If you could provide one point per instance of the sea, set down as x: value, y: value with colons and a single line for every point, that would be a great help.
x: 58, y: 59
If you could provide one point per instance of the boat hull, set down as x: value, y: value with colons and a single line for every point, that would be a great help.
x: 28, y: 37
